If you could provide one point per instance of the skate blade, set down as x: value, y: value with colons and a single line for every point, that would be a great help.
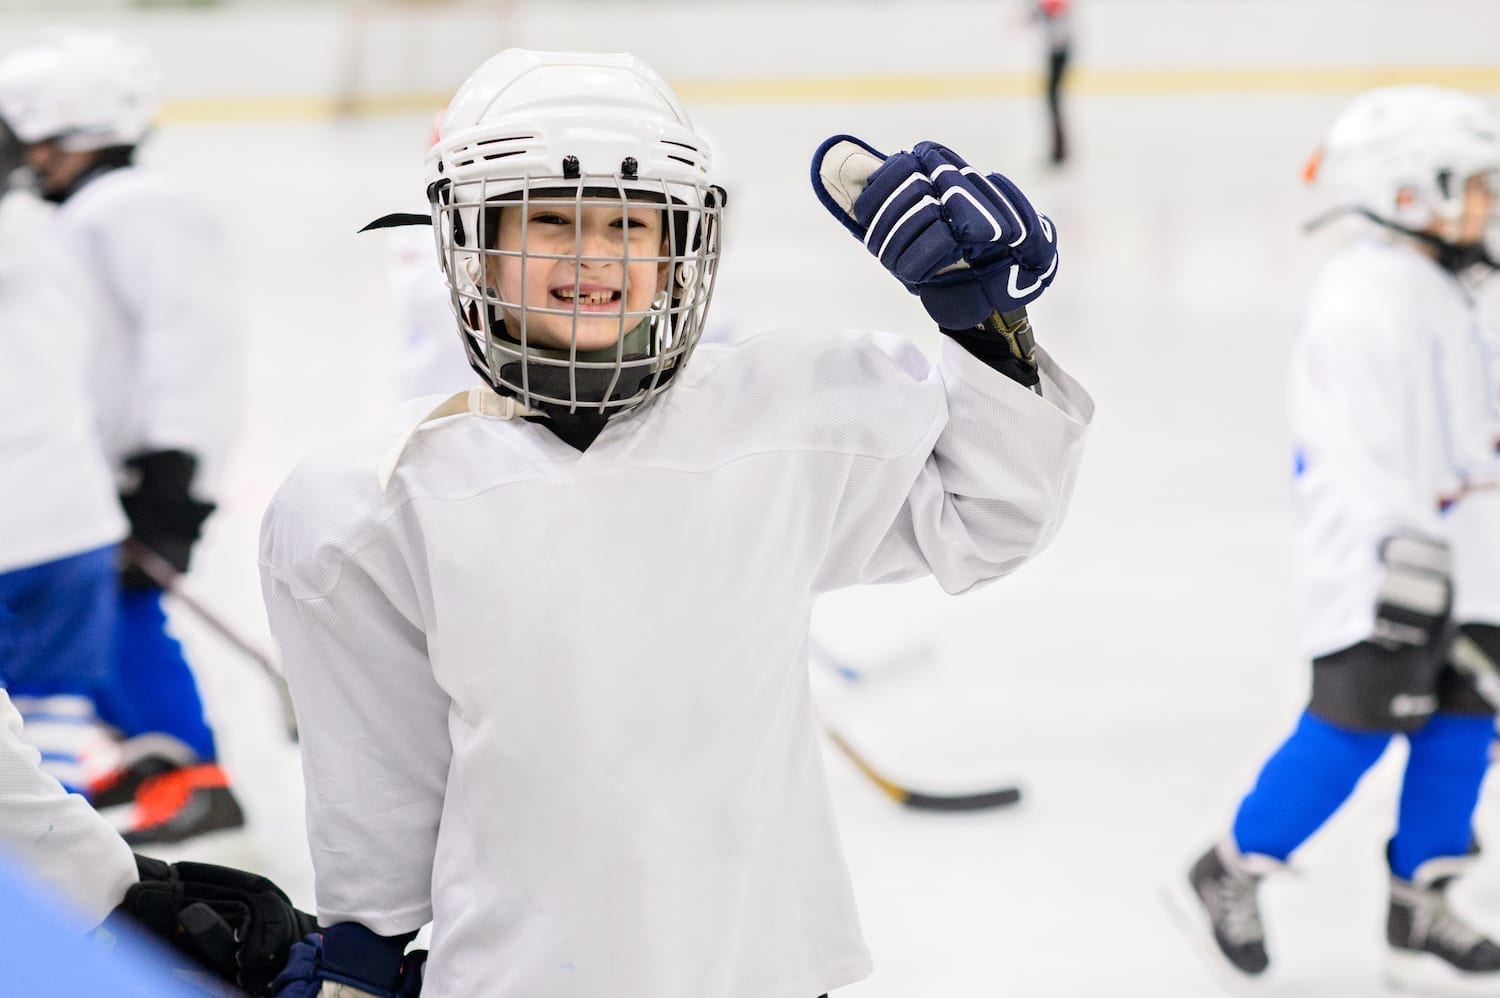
x: 1425, y: 974
x: 1193, y: 921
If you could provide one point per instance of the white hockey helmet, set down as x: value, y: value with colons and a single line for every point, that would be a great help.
x: 573, y: 129
x: 1403, y: 154
x: 88, y: 90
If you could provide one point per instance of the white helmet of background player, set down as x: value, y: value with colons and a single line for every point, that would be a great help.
x: 84, y: 90
x: 531, y: 130
x: 1403, y: 156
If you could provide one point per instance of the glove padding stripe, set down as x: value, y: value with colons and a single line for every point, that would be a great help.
x: 927, y: 201
x: 1015, y: 271
x: 874, y: 223
x: 960, y: 225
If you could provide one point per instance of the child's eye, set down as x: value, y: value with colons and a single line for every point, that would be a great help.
x: 549, y: 218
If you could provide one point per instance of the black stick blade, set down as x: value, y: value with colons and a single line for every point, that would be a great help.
x: 980, y: 801
x: 977, y: 801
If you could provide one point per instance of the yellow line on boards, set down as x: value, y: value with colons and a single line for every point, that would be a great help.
x: 1127, y: 82
x: 864, y: 89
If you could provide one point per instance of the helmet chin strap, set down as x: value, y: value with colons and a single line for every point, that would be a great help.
x: 1452, y: 257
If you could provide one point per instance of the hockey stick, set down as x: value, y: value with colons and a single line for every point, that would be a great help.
x: 845, y: 669
x: 917, y: 800
x: 1014, y: 327
x: 840, y: 667
x: 165, y: 575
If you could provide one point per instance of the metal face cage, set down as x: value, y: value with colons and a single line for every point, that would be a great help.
x: 596, y: 236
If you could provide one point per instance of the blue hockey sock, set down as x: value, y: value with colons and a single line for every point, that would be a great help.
x: 1449, y: 757
x: 56, y: 624
x: 1303, y: 783
x: 151, y: 689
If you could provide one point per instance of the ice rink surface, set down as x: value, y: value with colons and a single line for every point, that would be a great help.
x: 1131, y: 679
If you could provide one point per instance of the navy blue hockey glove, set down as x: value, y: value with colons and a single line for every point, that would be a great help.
x: 164, y: 517
x: 349, y: 953
x: 238, y: 925
x: 969, y: 245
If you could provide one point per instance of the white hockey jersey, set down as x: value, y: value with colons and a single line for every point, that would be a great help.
x: 429, y: 359
x: 1394, y: 410
x: 558, y: 702
x: 58, y: 497
x: 168, y: 350
x: 55, y: 835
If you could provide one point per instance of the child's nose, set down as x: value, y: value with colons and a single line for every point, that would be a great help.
x: 596, y: 241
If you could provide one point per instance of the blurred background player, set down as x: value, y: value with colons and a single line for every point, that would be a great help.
x: 1394, y: 419
x: 165, y: 345
x: 583, y: 801
x: 1055, y: 18
x: 58, y: 600
x: 60, y: 520
x: 427, y: 362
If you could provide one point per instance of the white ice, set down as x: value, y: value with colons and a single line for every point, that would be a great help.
x: 1131, y: 679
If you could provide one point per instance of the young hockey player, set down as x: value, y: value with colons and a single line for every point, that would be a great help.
x: 58, y: 581
x: 1394, y: 411
x: 60, y: 522
x: 165, y: 346
x: 547, y: 640
x: 426, y: 361
x: 1056, y: 21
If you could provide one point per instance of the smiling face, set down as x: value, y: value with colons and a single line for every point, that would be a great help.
x: 574, y: 266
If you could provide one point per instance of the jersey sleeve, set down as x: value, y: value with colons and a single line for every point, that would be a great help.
x: 54, y: 834
x: 984, y: 490
x: 373, y: 723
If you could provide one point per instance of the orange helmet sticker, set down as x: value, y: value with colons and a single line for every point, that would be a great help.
x: 1310, y: 168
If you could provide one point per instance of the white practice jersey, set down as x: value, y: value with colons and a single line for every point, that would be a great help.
x: 59, y: 498
x: 558, y: 702
x: 430, y: 359
x: 1057, y: 26
x: 1473, y: 520
x: 168, y: 351
x: 1394, y: 417
x: 54, y: 835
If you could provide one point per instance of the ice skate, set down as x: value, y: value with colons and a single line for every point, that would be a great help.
x: 182, y: 803
x: 1432, y: 950
x: 1217, y: 899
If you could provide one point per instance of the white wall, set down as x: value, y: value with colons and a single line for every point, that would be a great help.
x: 296, y: 60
